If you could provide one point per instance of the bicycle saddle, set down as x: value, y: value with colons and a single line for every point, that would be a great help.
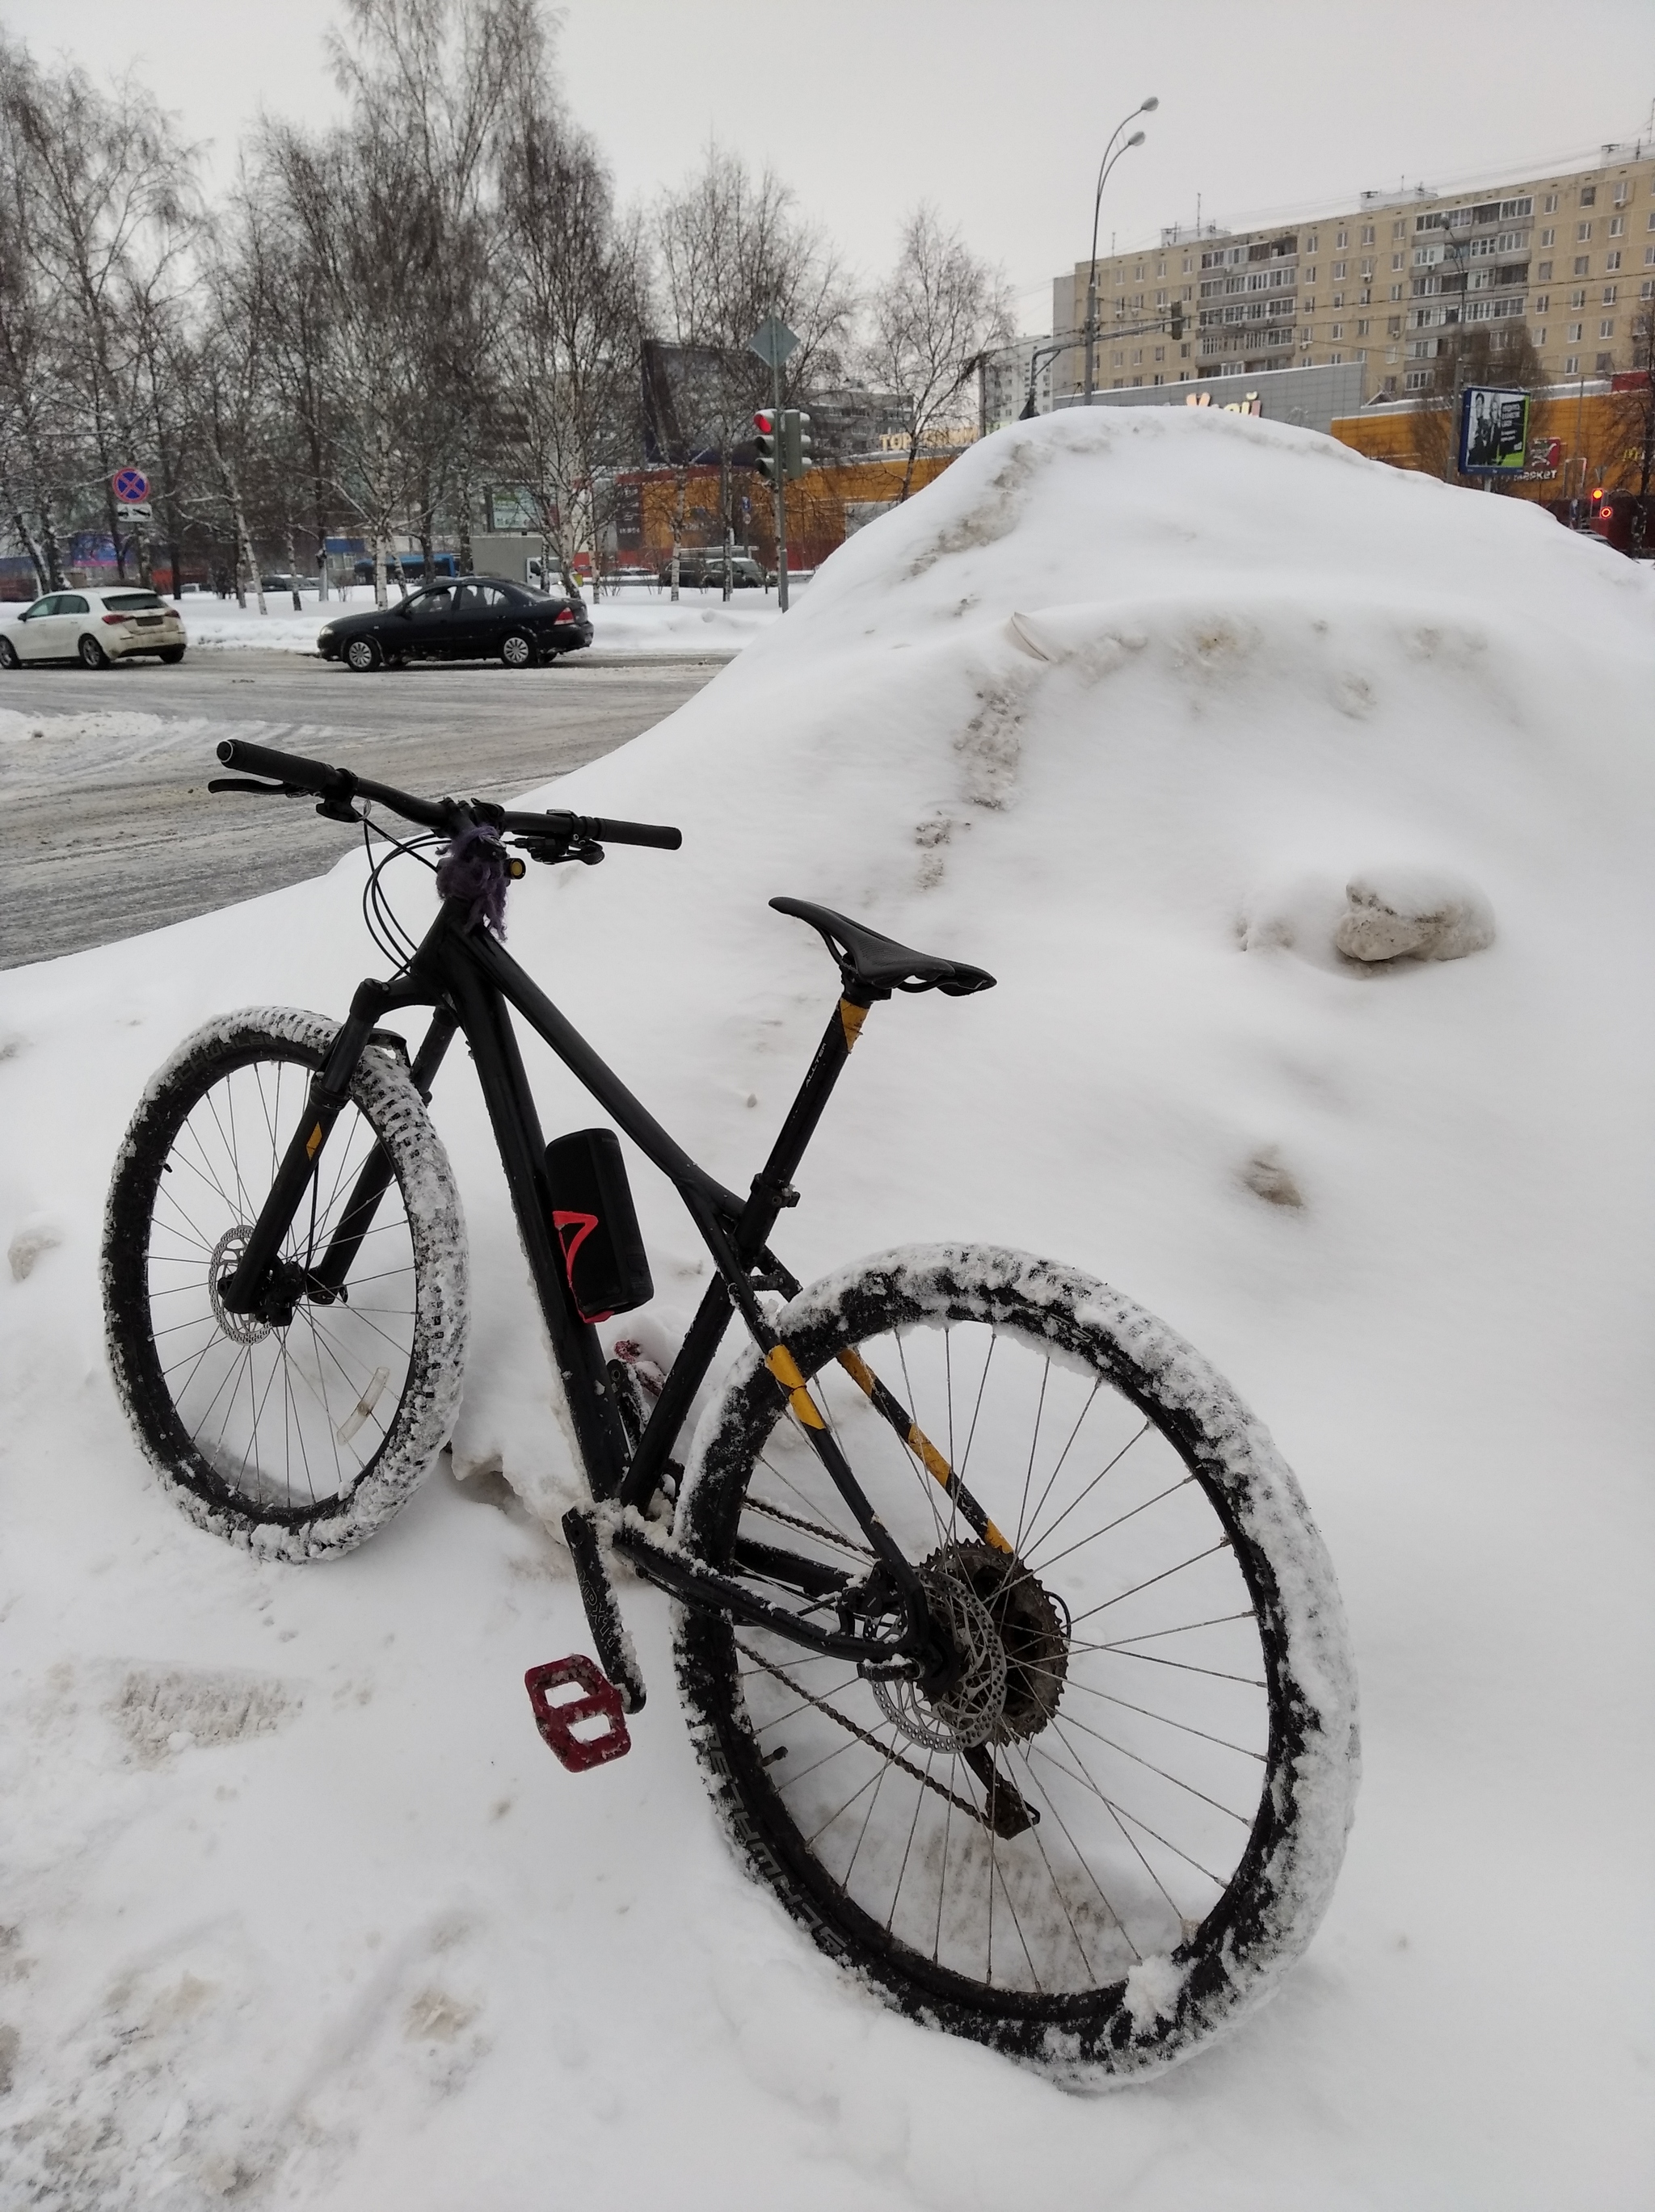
x: 878, y: 965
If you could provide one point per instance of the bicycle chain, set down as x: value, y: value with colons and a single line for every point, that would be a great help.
x: 895, y: 1757
x: 810, y: 1527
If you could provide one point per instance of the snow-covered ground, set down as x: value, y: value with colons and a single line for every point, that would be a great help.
x: 638, y: 619
x: 301, y: 1912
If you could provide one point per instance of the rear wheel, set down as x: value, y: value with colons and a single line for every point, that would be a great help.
x: 1111, y: 1836
x: 516, y: 650
x: 92, y: 654
x: 298, y: 1433
x: 171, y: 655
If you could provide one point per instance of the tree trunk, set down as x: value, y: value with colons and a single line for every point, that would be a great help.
x: 908, y: 473
x: 244, y: 554
x: 30, y: 548
x: 679, y: 499
x: 49, y: 546
x: 380, y: 595
x: 293, y: 571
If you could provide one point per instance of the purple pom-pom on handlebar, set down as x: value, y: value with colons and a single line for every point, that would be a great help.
x: 474, y: 867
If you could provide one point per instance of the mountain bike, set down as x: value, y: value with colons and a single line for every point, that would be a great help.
x: 1014, y: 1663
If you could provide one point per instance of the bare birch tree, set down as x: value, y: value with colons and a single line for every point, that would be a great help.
x: 940, y: 310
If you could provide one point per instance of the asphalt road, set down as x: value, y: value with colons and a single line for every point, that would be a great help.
x: 108, y: 827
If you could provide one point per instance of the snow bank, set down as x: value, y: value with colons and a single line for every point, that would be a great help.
x: 302, y: 1909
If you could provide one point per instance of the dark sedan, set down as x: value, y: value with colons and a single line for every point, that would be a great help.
x: 474, y: 618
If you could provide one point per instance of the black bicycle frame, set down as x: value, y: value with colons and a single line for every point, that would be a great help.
x: 469, y: 980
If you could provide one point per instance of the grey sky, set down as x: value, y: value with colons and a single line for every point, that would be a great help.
x: 996, y: 112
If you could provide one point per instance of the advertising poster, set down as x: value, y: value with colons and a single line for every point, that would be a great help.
x: 1494, y: 431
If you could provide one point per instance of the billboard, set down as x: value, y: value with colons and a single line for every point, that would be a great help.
x: 1494, y: 431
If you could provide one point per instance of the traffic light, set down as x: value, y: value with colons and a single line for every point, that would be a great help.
x: 1177, y: 319
x: 796, y: 441
x: 768, y: 446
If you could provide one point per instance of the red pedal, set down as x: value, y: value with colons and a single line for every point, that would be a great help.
x: 596, y: 1699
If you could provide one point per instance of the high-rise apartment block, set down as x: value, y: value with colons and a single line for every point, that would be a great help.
x: 1572, y: 257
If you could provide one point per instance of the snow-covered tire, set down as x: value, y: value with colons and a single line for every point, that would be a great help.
x: 213, y: 1121
x: 1124, y: 2001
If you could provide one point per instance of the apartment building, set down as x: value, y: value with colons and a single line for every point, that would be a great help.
x: 1572, y: 256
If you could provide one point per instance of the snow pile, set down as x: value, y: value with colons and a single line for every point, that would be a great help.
x: 1118, y: 708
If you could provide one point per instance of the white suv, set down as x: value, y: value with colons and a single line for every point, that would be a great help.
x: 94, y: 628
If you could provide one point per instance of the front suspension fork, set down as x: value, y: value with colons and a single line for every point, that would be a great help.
x: 245, y: 1289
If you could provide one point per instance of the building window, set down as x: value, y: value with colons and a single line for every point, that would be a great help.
x: 1588, y: 195
x: 1342, y: 239
x: 1339, y: 271
x: 1117, y: 360
x: 1646, y: 289
x: 1338, y: 298
x: 1397, y: 260
x: 1160, y: 269
x: 1617, y: 226
x: 1649, y: 256
x: 1540, y: 335
x: 1606, y: 328
x: 1583, y: 232
x: 1361, y: 329
x: 1338, y: 329
x: 1572, y: 365
x: 1623, y: 193
x: 1611, y: 261
x: 1578, y: 299
x: 1367, y: 234
x: 1415, y: 380
x: 1583, y: 265
x: 1137, y: 356
x: 1160, y: 355
x: 1606, y: 364
x: 1543, y: 273
x: 1542, y: 302
x: 1608, y: 294
x: 1548, y: 238
x: 1334, y: 359
x: 1574, y: 333
x: 1393, y: 326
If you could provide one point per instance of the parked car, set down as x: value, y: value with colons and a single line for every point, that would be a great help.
x: 474, y: 618
x: 701, y: 565
x: 94, y: 626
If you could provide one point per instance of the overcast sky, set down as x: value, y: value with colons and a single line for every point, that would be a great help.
x: 998, y: 113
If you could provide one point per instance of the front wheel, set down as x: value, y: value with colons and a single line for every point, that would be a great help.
x: 8, y: 653
x: 362, y: 655
x: 1108, y: 1839
x: 300, y: 1431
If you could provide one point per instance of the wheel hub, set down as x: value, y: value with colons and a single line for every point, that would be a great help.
x: 242, y: 1328
x: 1012, y: 1636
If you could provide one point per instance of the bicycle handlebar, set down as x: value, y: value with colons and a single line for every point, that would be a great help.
x: 337, y: 786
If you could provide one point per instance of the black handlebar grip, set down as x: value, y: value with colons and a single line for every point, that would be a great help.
x: 285, y: 768
x: 659, y: 833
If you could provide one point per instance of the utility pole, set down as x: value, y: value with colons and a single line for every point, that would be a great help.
x: 773, y: 342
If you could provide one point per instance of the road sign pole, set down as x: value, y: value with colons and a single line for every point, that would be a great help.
x: 781, y: 493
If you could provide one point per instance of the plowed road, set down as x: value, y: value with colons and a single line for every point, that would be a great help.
x: 109, y: 828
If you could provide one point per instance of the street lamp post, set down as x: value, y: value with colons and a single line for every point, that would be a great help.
x: 1456, y: 246
x: 1111, y: 154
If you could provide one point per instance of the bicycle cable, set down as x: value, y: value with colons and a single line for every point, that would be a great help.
x: 378, y: 915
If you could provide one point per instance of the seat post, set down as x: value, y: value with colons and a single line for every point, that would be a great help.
x: 772, y: 1189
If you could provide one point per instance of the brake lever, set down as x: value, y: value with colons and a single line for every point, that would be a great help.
x: 242, y: 783
x: 550, y: 850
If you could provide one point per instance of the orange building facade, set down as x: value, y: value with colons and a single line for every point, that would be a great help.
x: 824, y: 506
x: 1581, y: 444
